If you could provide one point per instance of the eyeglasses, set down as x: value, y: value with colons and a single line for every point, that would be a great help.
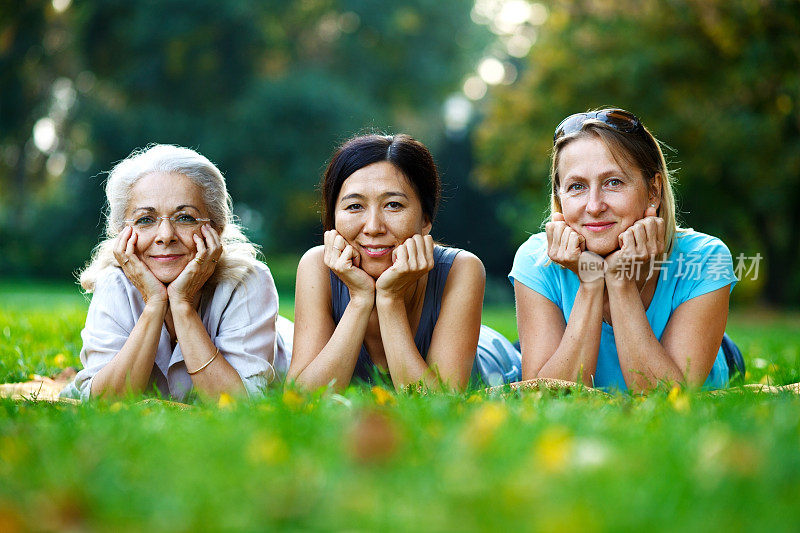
x: 618, y: 119
x: 180, y: 221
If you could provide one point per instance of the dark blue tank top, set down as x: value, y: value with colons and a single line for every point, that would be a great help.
x: 442, y: 261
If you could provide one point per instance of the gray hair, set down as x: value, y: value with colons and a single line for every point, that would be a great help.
x: 239, y: 255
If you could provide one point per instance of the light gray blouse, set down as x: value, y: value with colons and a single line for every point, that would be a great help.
x: 240, y: 318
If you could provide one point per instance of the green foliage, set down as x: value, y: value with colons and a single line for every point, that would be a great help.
x: 770, y: 343
x: 717, y: 81
x: 376, y: 460
x: 373, y: 459
x: 27, y: 70
x: 265, y: 89
x: 40, y: 328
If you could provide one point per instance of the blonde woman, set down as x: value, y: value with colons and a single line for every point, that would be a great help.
x: 180, y: 301
x: 613, y: 292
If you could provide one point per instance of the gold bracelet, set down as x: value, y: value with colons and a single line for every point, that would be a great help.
x: 216, y: 353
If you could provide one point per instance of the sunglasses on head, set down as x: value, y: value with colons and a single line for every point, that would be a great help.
x: 618, y: 119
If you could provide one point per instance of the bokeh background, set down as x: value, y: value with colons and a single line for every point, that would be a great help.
x: 266, y: 89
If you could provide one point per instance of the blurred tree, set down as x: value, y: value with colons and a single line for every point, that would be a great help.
x: 265, y: 89
x: 717, y: 80
x: 36, y: 94
x: 468, y: 217
x: 31, y: 47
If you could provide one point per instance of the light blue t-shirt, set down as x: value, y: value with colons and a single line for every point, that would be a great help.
x: 698, y: 264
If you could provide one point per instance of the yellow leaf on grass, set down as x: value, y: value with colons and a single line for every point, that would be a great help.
x: 678, y: 398
x: 383, y: 396
x: 292, y: 399
x: 553, y: 449
x: 484, y: 423
x: 267, y: 448
x: 226, y: 400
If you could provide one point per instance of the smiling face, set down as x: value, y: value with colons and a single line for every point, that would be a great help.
x: 166, y: 248
x: 378, y: 209
x: 599, y: 198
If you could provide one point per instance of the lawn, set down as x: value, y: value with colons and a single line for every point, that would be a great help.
x: 369, y: 459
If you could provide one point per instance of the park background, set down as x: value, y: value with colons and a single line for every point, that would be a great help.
x: 267, y: 89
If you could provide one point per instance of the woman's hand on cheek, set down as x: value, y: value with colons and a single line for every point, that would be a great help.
x: 151, y: 289
x: 639, y: 244
x: 345, y: 262
x: 564, y: 244
x: 656, y: 230
x: 411, y: 260
x: 194, y: 275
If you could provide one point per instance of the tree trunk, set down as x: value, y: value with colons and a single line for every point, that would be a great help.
x: 19, y: 201
x: 777, y: 265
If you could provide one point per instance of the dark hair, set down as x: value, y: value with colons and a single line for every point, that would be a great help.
x: 410, y: 156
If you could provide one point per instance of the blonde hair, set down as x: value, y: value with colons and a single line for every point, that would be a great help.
x: 239, y: 255
x: 642, y: 152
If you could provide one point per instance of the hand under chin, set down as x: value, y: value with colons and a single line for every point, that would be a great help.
x: 375, y: 274
x: 601, y: 249
x: 166, y: 276
x: 372, y: 269
x: 166, y: 280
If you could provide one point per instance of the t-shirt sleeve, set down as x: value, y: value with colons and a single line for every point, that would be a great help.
x: 533, y: 268
x: 706, y: 268
x: 246, y: 335
x: 105, y: 333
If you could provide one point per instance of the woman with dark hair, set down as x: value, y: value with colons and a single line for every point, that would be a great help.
x: 380, y: 295
x: 614, y: 292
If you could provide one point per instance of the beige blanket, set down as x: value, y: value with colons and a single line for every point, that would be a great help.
x: 543, y: 384
x: 44, y: 389
x: 40, y: 388
x: 560, y: 384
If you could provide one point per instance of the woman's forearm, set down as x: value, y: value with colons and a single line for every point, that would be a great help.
x: 337, y: 359
x: 576, y: 355
x: 216, y: 377
x: 642, y: 358
x: 130, y: 369
x: 406, y: 365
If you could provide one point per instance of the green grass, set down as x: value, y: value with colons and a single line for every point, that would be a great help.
x: 40, y: 328
x: 770, y: 342
x: 367, y: 460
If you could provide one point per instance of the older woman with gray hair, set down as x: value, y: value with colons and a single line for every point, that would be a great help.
x: 180, y: 301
